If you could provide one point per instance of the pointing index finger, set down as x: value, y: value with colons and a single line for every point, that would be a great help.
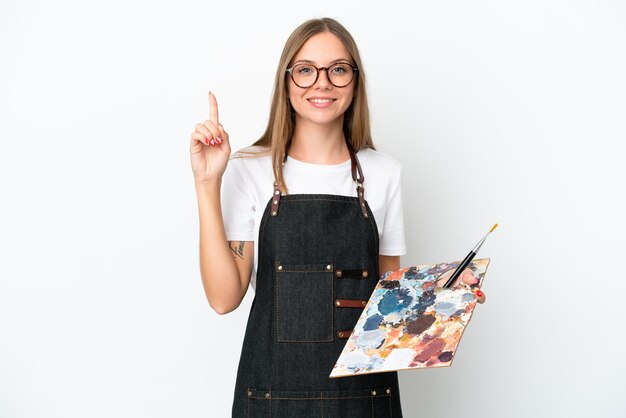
x: 214, y: 115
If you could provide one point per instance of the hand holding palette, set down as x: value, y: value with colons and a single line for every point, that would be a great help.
x: 410, y: 322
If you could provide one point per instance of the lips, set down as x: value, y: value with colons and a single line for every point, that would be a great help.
x: 321, y: 102
x: 321, y: 99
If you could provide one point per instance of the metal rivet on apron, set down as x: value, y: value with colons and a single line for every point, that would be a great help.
x: 340, y: 334
x: 267, y: 395
x: 328, y: 267
x: 388, y: 390
x: 366, y: 215
x: 363, y: 204
x: 363, y: 302
x: 275, y: 201
x: 274, y: 213
x: 338, y: 303
x: 364, y: 273
x: 338, y: 273
x: 276, y: 192
x: 279, y: 267
x: 373, y: 393
x: 249, y: 393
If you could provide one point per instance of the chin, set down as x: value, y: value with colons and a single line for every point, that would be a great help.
x: 321, y: 119
x: 324, y: 121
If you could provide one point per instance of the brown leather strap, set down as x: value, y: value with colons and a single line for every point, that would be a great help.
x: 275, y: 200
x: 351, y: 274
x: 350, y: 303
x: 356, y: 166
x: 344, y: 334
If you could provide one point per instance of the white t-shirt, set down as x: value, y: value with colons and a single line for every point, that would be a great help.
x: 248, y: 184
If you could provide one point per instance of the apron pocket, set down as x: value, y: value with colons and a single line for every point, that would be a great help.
x: 374, y: 403
x: 304, y: 302
x: 258, y: 404
x: 360, y: 403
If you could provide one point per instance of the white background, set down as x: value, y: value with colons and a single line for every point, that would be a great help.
x: 499, y: 111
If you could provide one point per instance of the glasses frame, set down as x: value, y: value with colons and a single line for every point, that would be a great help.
x: 317, y: 73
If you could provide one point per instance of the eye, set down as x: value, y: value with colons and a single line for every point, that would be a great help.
x: 304, y: 69
x: 340, y: 69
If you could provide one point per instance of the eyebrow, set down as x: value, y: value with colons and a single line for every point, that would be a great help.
x: 332, y: 62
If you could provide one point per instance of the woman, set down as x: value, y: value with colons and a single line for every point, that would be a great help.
x: 321, y: 248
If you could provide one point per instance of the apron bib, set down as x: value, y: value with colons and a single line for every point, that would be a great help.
x: 317, y: 267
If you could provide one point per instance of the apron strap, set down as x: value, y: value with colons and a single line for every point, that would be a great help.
x: 359, y: 181
x: 356, y: 168
x: 275, y: 199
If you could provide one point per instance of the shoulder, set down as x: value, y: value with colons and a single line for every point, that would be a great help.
x: 379, y: 161
x: 252, y: 152
x: 251, y: 158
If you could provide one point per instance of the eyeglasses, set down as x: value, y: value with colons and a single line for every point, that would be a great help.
x: 305, y: 75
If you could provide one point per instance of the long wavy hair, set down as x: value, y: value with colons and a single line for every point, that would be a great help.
x: 281, y: 124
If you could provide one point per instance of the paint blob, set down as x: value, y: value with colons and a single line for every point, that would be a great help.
x: 421, y: 324
x: 394, y: 300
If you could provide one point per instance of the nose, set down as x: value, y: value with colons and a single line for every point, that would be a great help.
x: 323, y: 81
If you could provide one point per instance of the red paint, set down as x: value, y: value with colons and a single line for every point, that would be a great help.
x: 433, y: 348
x: 428, y: 285
x: 479, y: 293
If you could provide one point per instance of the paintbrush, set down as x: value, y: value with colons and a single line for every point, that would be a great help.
x: 468, y: 259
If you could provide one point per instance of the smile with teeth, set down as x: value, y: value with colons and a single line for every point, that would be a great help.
x: 321, y: 100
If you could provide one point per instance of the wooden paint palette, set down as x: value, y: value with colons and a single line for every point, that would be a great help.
x: 410, y: 322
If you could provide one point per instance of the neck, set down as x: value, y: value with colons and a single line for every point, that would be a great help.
x: 319, y: 144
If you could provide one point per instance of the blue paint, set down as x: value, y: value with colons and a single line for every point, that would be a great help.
x: 445, y: 308
x: 467, y: 297
x: 372, y: 323
x: 427, y: 299
x: 394, y: 301
x: 371, y: 339
x: 411, y: 274
x: 459, y: 312
x: 376, y: 362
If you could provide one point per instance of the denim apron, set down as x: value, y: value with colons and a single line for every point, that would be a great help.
x: 317, y: 267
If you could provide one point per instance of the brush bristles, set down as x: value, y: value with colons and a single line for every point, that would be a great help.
x: 493, y: 227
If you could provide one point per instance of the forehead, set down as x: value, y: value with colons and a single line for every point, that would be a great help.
x: 323, y: 48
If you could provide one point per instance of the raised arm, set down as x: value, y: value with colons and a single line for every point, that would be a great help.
x: 225, y: 267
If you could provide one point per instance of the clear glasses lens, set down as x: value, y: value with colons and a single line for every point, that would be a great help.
x: 305, y: 75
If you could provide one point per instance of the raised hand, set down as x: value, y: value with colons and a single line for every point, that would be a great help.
x: 209, y: 148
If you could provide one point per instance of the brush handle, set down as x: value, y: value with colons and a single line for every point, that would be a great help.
x: 460, y: 269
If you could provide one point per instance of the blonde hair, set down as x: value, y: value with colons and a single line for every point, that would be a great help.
x: 280, y: 127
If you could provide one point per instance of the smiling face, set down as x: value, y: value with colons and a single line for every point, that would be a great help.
x: 322, y: 103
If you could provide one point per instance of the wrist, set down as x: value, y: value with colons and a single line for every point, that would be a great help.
x: 208, y: 185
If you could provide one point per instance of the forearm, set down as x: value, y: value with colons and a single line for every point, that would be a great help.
x: 220, y: 276
x: 388, y: 263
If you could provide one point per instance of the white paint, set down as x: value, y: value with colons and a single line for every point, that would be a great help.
x: 398, y: 359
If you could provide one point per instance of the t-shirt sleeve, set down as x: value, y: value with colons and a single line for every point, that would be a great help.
x: 238, y: 204
x: 392, y: 240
